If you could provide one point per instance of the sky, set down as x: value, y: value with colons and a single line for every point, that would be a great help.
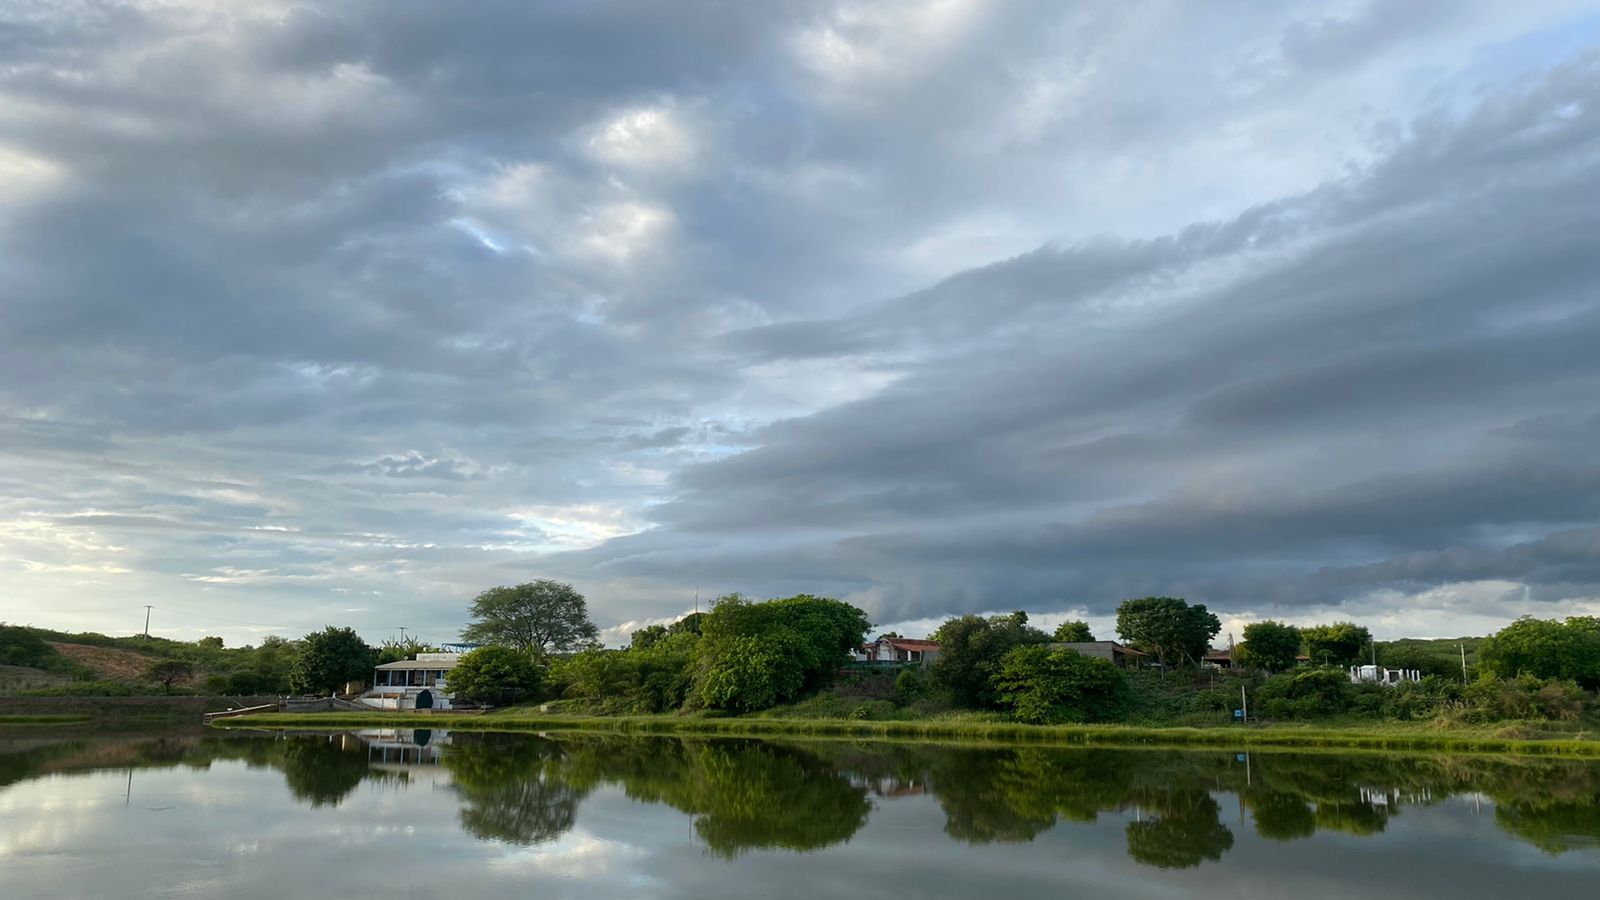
x: 340, y: 313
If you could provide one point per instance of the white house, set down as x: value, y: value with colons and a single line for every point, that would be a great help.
x: 412, y: 683
x: 1382, y: 675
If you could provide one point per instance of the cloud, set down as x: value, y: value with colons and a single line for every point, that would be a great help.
x: 937, y: 306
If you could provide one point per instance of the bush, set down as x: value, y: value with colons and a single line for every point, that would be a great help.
x: 495, y: 674
x: 1041, y: 687
x: 909, y: 686
x: 1305, y: 694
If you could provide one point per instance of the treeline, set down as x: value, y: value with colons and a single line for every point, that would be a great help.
x: 317, y: 663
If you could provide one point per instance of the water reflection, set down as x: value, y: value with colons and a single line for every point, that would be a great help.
x: 1176, y: 810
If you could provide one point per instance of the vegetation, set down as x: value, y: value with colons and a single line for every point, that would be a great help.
x: 1168, y: 627
x: 539, y: 617
x: 496, y: 675
x: 168, y: 672
x: 1044, y: 687
x: 1270, y: 645
x: 753, y: 655
x: 1567, y: 650
x: 1076, y: 632
x: 329, y: 659
x: 971, y: 654
x: 1338, y: 644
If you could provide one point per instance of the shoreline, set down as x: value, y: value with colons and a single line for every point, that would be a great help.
x: 1266, y: 736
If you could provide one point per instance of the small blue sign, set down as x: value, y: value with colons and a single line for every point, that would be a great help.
x: 1238, y: 714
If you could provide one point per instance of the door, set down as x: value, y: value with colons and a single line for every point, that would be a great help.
x: 425, y: 700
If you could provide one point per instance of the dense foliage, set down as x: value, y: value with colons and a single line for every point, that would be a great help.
x: 1270, y: 645
x: 1338, y: 644
x: 542, y: 617
x: 329, y: 659
x: 1176, y: 632
x: 1045, y: 687
x: 496, y: 675
x: 1074, y: 632
x: 1546, y: 648
x: 753, y: 655
x: 971, y: 651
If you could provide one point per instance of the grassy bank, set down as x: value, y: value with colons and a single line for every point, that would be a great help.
x: 1364, y: 737
x: 115, y: 713
x: 7, y: 721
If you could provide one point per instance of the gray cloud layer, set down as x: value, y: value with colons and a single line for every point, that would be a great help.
x: 343, y: 312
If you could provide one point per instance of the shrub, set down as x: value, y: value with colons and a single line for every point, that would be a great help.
x: 909, y: 686
x: 492, y: 674
x: 1305, y: 694
x: 1039, y: 686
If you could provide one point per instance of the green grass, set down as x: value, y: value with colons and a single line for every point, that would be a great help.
x: 7, y: 721
x: 1371, y: 737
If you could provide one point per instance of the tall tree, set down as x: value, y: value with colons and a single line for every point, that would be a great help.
x: 541, y: 617
x: 168, y: 672
x: 1339, y: 644
x: 1074, y: 632
x: 1168, y: 627
x: 971, y: 649
x: 1271, y: 645
x: 328, y: 659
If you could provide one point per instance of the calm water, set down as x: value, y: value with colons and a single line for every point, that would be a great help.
x: 419, y: 814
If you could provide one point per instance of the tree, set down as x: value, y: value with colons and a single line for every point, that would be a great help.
x: 542, y: 617
x: 1545, y: 648
x: 971, y: 649
x: 492, y: 674
x: 210, y: 643
x: 753, y: 655
x: 168, y: 672
x: 394, y: 651
x: 1167, y: 627
x: 1044, y: 687
x: 330, y: 658
x: 1074, y: 632
x: 1339, y: 644
x: 1270, y: 645
x: 648, y: 637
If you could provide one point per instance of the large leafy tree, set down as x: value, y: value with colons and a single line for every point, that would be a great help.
x: 541, y: 617
x: 1339, y: 644
x: 753, y: 655
x: 1042, y: 687
x: 1074, y: 632
x: 1270, y: 645
x: 1546, y: 648
x: 1168, y: 627
x: 328, y: 659
x: 490, y: 674
x: 168, y: 672
x: 971, y: 649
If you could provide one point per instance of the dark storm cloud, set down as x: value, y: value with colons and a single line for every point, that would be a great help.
x: 939, y: 306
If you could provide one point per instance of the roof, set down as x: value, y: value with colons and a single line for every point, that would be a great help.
x: 421, y: 664
x: 906, y: 644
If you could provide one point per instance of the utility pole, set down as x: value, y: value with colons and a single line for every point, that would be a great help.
x: 697, y: 600
x: 147, y: 621
x: 1244, y: 707
x: 402, y: 634
x: 1463, y: 662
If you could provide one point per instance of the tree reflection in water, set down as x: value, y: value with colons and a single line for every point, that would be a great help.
x: 748, y: 794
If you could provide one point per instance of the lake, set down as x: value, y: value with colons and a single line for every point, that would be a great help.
x: 400, y: 814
